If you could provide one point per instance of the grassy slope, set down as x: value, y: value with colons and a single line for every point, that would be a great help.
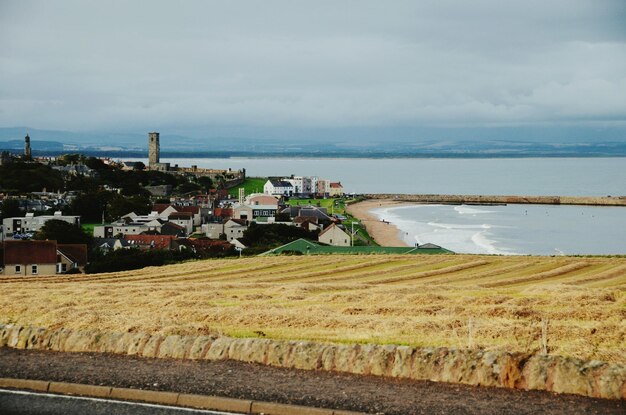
x: 251, y: 184
x: 423, y: 301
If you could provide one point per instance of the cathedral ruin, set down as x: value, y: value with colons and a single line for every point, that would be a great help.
x: 228, y: 177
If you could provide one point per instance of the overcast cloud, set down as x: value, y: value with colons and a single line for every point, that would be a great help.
x: 197, y: 65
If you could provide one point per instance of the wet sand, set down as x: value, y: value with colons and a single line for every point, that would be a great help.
x: 384, y: 233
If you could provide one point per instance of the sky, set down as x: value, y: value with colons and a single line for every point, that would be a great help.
x: 352, y: 70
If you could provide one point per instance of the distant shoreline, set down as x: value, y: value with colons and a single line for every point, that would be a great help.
x: 138, y: 154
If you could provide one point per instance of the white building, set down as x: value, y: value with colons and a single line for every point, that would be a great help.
x: 31, y: 223
x: 234, y: 229
x: 247, y: 212
x: 278, y: 188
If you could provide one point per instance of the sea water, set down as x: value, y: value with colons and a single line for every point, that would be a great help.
x: 523, y: 176
x: 512, y: 229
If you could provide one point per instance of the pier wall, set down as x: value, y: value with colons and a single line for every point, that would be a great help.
x: 495, y: 199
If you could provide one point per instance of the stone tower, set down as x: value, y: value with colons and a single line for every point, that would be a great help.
x: 154, y: 149
x: 27, y: 152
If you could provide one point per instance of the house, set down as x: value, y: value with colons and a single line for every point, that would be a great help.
x: 110, y: 244
x: 320, y: 213
x: 205, y: 246
x: 103, y: 231
x: 75, y: 170
x: 133, y: 165
x: 183, y: 219
x: 71, y: 257
x: 234, y: 229
x: 297, y: 183
x: 213, y: 230
x: 171, y: 228
x: 336, y: 189
x: 26, y: 258
x: 163, y: 210
x: 278, y: 188
x: 257, y: 199
x: 223, y: 213
x: 134, y: 225
x: 151, y: 241
x: 335, y: 236
x: 195, y: 211
x: 247, y: 212
x: 323, y: 188
x: 308, y: 223
x: 31, y: 223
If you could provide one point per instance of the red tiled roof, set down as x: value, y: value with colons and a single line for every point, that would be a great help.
x: 157, y: 241
x: 75, y: 252
x: 30, y: 252
x: 303, y: 219
x: 189, y: 209
x: 160, y: 207
x: 336, y: 185
x: 207, y: 243
x: 223, y: 212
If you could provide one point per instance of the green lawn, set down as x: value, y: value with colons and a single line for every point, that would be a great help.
x: 88, y: 227
x: 333, y: 205
x: 251, y: 184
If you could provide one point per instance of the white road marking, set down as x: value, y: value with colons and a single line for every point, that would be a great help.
x: 85, y: 398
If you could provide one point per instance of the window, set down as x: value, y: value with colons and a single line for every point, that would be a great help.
x: 34, y: 269
x: 63, y: 267
x: 18, y: 269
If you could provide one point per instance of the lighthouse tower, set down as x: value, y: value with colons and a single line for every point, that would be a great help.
x: 27, y: 151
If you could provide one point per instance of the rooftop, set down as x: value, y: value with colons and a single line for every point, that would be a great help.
x: 305, y: 246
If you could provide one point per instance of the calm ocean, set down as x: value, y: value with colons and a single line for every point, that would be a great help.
x: 526, y: 176
x: 512, y: 229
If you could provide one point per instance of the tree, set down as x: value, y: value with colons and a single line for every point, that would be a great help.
x: 29, y: 177
x: 63, y: 232
x: 10, y: 209
x: 205, y: 182
x: 119, y: 206
x: 89, y: 206
x: 95, y: 163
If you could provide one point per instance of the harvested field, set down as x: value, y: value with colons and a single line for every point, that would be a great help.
x: 418, y: 301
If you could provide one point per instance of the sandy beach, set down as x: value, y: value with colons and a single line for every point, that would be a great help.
x: 384, y: 233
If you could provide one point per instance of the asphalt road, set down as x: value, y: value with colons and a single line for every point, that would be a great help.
x: 29, y: 403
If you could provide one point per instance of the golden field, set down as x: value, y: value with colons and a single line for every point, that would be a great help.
x: 414, y: 300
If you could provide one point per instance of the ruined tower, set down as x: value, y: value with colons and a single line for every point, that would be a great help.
x: 27, y: 152
x: 154, y: 149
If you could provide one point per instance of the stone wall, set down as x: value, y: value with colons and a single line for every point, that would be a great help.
x: 473, y: 367
x: 485, y: 199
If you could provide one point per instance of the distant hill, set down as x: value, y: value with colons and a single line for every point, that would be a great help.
x: 52, y: 142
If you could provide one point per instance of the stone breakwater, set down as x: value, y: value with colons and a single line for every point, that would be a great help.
x: 486, y: 199
x: 473, y: 367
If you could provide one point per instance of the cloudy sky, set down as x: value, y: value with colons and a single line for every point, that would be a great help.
x: 289, y: 69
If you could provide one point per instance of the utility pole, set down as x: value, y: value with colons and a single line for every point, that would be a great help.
x: 352, y: 234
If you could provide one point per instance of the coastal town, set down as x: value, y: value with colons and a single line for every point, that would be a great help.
x: 97, y: 214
